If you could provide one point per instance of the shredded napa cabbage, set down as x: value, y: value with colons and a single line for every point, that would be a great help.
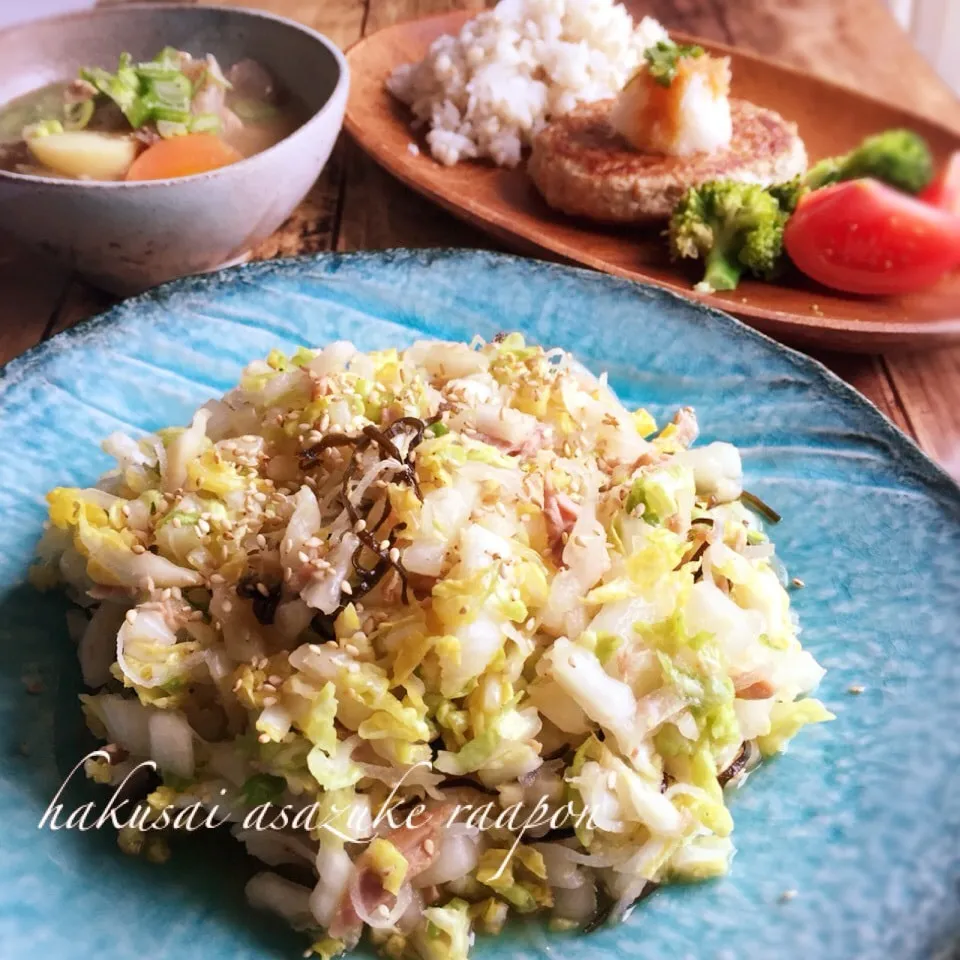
x: 462, y: 583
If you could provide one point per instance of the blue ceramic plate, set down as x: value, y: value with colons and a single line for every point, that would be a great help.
x: 861, y: 818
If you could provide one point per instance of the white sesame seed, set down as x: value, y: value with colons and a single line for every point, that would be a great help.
x: 269, y: 701
x: 314, y: 648
x: 384, y: 544
x: 856, y: 688
x: 176, y: 522
x: 131, y: 616
x: 227, y: 606
x: 383, y: 910
x: 264, y: 738
x: 125, y: 509
x: 429, y: 846
x: 217, y: 578
x: 288, y: 544
x: 262, y: 590
x: 275, y: 679
x: 203, y: 526
x: 261, y: 541
x: 787, y: 896
x: 302, y: 557
x: 352, y: 650
x: 394, y: 554
x: 138, y: 548
x: 360, y: 525
x: 346, y: 588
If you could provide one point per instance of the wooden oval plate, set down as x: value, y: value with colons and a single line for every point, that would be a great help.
x: 832, y: 119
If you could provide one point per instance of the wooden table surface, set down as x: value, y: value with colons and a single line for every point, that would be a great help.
x: 357, y: 206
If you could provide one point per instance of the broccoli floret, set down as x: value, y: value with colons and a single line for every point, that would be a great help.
x: 900, y: 158
x: 788, y: 194
x: 733, y: 226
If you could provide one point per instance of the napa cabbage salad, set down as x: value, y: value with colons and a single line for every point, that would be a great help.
x: 453, y: 576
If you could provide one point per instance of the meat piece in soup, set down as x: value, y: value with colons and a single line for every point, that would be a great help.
x: 173, y: 116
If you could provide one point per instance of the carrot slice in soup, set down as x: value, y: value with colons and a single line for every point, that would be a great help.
x: 182, y: 157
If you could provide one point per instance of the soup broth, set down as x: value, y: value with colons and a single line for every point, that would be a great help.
x: 173, y: 116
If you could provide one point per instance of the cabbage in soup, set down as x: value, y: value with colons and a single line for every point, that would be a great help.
x: 172, y: 116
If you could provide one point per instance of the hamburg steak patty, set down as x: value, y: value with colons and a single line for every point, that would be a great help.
x: 583, y: 167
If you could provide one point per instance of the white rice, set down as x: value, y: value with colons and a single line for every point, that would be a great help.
x: 485, y: 92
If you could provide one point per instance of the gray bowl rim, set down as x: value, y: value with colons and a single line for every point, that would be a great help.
x: 62, y: 183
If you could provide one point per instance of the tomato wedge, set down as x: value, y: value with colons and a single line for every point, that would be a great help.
x: 944, y: 189
x: 865, y: 237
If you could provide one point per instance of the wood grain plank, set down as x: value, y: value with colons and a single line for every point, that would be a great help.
x: 31, y: 290
x: 379, y: 213
x: 869, y: 375
x: 385, y: 13
x: 705, y: 18
x: 79, y: 302
x: 927, y: 385
x: 855, y: 42
x: 340, y: 20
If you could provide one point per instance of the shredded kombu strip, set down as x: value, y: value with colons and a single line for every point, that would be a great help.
x: 764, y: 509
x: 364, y: 526
x: 737, y: 765
x: 264, y: 607
x: 603, y: 914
